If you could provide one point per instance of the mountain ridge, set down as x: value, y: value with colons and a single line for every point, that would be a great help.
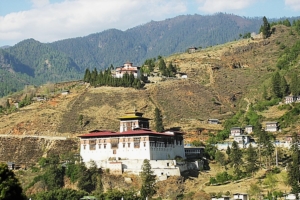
x: 70, y: 57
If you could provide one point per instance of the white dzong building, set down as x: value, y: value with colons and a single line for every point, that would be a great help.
x: 129, y: 69
x: 126, y: 150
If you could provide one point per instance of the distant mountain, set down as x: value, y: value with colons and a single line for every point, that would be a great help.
x: 5, y: 47
x: 32, y: 62
x: 155, y: 38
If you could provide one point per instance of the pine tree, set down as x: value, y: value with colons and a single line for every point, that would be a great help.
x: 265, y: 28
x: 293, y: 167
x: 220, y: 158
x: 236, y: 158
x: 148, y: 180
x: 159, y: 127
x: 284, y: 87
x: 295, y: 85
x: 276, y: 85
x: 251, y: 158
x: 87, y: 76
x: 162, y: 66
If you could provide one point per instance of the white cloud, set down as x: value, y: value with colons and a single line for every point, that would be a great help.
x: 72, y: 18
x: 293, y: 4
x: 213, y: 6
x: 39, y: 3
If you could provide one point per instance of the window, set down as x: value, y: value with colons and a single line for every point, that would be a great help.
x: 136, y: 142
x: 144, y: 144
x: 84, y: 146
x: 128, y: 144
x: 123, y: 145
x: 99, y: 146
x: 104, y: 146
x: 167, y: 164
x: 114, y: 151
x: 114, y: 142
x: 92, y: 146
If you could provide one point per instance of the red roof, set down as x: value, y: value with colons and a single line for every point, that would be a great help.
x: 125, y: 133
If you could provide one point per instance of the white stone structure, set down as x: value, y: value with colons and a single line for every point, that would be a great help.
x: 235, y: 131
x: 248, y: 129
x: 242, y: 139
x: 291, y: 99
x: 129, y: 69
x: 271, y: 126
x: 238, y: 196
x: 126, y: 150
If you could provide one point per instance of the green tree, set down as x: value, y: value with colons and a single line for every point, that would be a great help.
x: 276, y: 85
x: 90, y: 179
x: 159, y: 127
x: 284, y: 87
x: 295, y: 85
x: 286, y: 22
x: 251, y: 159
x: 10, y: 187
x: 271, y: 182
x: 222, y: 177
x: 148, y: 180
x: 220, y: 158
x: 210, y: 151
x: 293, y: 167
x: 265, y: 28
x: 228, y: 150
x: 54, y: 174
x: 254, y: 190
x: 87, y: 76
x: 236, y: 158
x: 162, y: 66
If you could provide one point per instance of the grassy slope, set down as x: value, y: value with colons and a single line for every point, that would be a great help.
x: 214, y: 89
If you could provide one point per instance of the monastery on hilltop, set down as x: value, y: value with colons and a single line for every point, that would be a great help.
x: 126, y: 150
x: 129, y: 69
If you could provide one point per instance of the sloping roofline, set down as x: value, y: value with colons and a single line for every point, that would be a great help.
x: 128, y: 133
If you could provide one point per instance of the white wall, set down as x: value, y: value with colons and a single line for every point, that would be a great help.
x: 125, y: 153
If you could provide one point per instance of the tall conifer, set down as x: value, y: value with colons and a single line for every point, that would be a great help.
x: 159, y: 127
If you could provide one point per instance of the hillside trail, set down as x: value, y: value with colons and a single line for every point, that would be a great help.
x: 248, y: 103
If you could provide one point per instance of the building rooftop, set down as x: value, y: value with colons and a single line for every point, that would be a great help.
x: 128, y: 133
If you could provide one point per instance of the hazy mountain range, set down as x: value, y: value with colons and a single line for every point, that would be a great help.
x: 34, y: 63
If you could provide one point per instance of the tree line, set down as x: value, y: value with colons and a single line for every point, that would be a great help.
x: 105, y: 78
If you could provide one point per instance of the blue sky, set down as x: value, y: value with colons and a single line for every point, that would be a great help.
x: 52, y: 20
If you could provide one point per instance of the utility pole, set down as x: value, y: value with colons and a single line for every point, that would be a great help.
x: 276, y: 155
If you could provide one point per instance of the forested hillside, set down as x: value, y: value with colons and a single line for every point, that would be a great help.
x: 32, y: 62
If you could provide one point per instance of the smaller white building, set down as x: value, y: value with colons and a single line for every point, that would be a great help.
x: 213, y: 121
x: 129, y: 69
x: 236, y: 131
x: 242, y: 139
x: 248, y: 129
x: 239, y: 196
x: 291, y: 196
x: 291, y: 99
x: 271, y: 126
